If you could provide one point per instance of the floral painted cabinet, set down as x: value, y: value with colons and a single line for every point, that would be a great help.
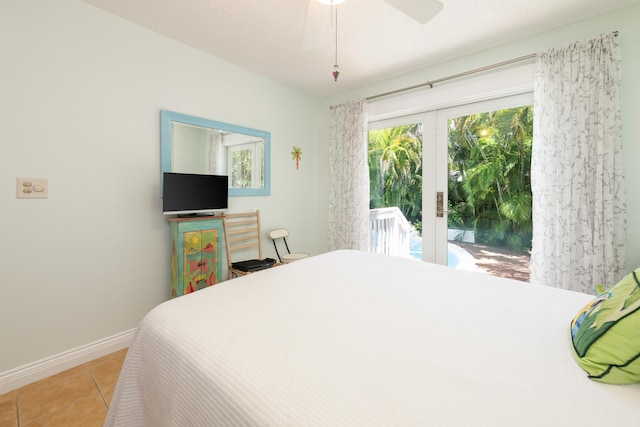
x: 196, y: 248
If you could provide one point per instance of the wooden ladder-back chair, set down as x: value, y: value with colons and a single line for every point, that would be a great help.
x: 242, y: 235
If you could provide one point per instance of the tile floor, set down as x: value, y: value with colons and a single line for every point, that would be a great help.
x: 77, y: 397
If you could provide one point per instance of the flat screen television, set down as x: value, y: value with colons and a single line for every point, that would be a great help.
x: 188, y: 194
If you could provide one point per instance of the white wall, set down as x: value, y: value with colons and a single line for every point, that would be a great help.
x: 80, y: 98
x: 625, y: 21
x: 194, y: 158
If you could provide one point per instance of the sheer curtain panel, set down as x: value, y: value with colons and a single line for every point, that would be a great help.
x: 577, y: 173
x: 349, y: 177
x: 215, y: 153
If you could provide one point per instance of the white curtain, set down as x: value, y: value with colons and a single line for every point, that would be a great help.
x: 349, y: 177
x: 215, y: 161
x: 577, y: 174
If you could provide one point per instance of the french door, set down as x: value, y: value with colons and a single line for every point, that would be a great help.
x: 435, y: 127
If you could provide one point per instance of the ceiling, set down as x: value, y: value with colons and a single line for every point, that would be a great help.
x: 375, y: 41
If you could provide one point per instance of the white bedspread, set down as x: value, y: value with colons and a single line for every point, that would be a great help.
x: 355, y: 339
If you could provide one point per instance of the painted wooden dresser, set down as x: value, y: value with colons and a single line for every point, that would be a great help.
x: 197, y: 245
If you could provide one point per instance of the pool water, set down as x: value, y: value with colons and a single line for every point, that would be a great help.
x: 457, y: 257
x: 415, y: 250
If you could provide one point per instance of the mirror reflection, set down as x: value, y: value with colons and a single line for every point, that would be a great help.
x: 196, y: 145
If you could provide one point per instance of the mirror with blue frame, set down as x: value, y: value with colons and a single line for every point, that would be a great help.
x: 190, y: 144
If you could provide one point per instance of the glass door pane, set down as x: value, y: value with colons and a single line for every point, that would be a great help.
x: 395, y: 172
x: 488, y: 187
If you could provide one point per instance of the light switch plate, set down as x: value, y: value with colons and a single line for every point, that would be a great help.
x: 32, y: 188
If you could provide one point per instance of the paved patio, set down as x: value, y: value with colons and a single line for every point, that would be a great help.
x: 499, y: 261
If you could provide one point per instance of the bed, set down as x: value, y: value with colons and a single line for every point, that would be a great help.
x: 349, y: 338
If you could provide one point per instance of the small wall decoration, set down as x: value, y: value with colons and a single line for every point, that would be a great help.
x: 296, y: 154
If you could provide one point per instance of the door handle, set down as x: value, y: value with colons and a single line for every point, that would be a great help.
x: 440, y: 204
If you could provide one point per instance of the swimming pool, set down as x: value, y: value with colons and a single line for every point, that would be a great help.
x: 457, y: 257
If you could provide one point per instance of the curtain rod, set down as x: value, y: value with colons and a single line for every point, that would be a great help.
x: 463, y: 74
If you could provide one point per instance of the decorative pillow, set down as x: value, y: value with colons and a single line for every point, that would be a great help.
x: 606, y: 334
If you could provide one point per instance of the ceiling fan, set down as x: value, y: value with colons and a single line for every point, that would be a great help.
x: 318, y: 13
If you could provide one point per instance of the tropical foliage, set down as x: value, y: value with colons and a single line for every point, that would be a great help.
x: 489, y: 174
x: 242, y: 169
x: 395, y: 170
x: 490, y: 179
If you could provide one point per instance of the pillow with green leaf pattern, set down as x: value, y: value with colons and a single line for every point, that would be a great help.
x: 606, y: 334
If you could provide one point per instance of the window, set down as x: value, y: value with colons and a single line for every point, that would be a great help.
x: 244, y: 163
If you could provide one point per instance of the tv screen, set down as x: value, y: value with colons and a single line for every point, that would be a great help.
x: 186, y: 193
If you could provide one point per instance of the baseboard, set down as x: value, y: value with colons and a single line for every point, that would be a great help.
x: 26, y: 374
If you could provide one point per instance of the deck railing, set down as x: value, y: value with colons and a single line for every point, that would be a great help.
x: 389, y: 232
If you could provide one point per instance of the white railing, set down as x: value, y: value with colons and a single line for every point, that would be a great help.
x: 389, y: 232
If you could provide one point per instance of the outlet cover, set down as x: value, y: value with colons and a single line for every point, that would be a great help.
x: 32, y: 188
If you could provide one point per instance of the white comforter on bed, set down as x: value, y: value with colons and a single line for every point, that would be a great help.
x: 355, y: 339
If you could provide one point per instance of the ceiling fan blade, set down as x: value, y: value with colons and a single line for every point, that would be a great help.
x: 317, y: 15
x: 420, y: 10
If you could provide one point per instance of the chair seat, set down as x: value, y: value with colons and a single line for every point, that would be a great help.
x: 287, y: 258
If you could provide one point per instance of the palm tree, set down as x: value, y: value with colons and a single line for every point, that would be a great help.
x: 395, y: 169
x: 490, y: 187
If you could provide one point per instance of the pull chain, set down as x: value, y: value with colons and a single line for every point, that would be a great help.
x: 336, y: 68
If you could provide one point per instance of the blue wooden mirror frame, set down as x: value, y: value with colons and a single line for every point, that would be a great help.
x: 166, y: 119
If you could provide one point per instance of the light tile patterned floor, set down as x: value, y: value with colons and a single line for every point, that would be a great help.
x: 77, y: 397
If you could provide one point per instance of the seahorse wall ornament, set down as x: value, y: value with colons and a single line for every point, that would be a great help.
x: 296, y: 154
